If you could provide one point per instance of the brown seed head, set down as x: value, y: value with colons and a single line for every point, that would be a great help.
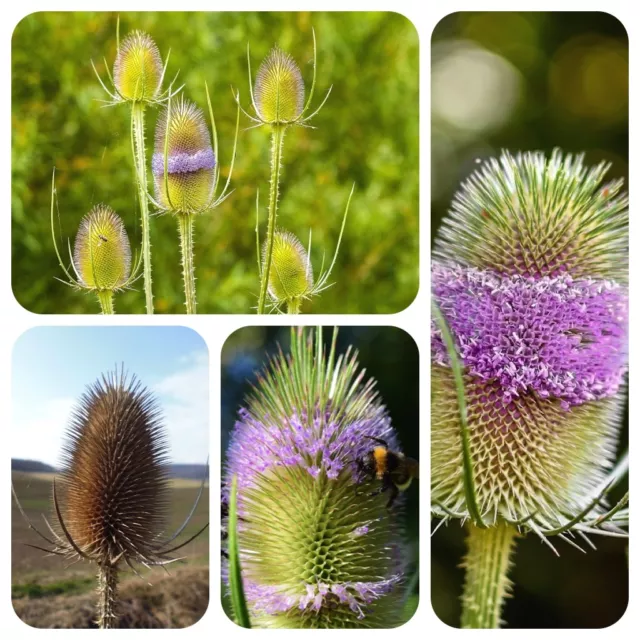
x: 114, y: 490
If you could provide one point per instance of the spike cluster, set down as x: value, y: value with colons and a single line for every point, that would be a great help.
x: 115, y: 472
x: 534, y: 216
x: 279, y: 89
x: 138, y: 69
x: 182, y: 132
x: 529, y: 274
x: 102, y: 253
x: 317, y: 549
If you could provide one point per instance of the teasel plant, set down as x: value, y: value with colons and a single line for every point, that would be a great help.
x: 313, y: 542
x: 111, y: 500
x: 529, y: 357
x: 101, y: 259
x: 186, y: 173
x: 278, y: 101
x: 137, y: 79
x: 291, y: 280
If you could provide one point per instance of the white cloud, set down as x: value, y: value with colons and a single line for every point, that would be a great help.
x: 184, y: 396
x: 39, y: 436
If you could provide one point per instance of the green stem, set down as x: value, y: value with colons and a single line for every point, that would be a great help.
x: 486, y: 584
x: 293, y: 306
x: 106, y: 302
x: 107, y: 595
x: 277, y: 136
x: 140, y: 163
x: 185, y: 228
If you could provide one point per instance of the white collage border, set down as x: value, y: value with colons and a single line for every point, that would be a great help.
x: 14, y: 320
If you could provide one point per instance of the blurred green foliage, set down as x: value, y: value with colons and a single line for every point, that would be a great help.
x: 569, y: 78
x: 367, y: 133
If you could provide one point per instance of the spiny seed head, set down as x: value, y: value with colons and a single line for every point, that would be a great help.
x: 102, y: 253
x: 534, y: 216
x: 531, y: 455
x: 137, y: 70
x: 190, y: 159
x: 317, y: 549
x: 279, y: 88
x: 529, y: 276
x: 115, y: 491
x: 291, y: 275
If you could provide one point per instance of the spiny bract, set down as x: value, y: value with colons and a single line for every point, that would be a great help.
x: 529, y: 275
x: 102, y: 254
x: 279, y: 89
x: 317, y: 550
x: 291, y: 276
x: 137, y: 70
x: 190, y: 165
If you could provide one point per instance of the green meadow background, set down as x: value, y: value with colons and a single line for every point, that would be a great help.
x: 367, y: 133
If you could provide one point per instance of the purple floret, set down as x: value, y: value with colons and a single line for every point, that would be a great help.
x: 183, y: 162
x: 554, y: 336
x: 270, y: 599
x: 323, y: 446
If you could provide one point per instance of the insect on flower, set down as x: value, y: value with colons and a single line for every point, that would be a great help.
x: 392, y: 469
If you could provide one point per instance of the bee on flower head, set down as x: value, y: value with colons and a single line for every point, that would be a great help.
x: 392, y: 469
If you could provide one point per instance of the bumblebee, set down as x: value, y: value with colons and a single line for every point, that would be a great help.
x: 393, y: 469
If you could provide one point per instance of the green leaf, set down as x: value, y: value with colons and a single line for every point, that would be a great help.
x: 467, y: 459
x: 238, y: 601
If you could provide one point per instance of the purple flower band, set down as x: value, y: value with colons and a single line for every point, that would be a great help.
x: 322, y: 446
x: 183, y: 162
x: 558, y: 337
x: 357, y: 595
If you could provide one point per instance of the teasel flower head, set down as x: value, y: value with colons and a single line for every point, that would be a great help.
x: 184, y: 164
x: 102, y: 253
x: 278, y: 96
x: 279, y: 88
x: 319, y: 546
x: 529, y: 347
x: 291, y: 279
x: 101, y: 260
x: 111, y: 501
x: 138, y: 71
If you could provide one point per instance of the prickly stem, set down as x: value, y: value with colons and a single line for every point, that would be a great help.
x: 486, y: 583
x: 293, y: 306
x: 108, y: 593
x: 106, y: 302
x: 277, y: 137
x: 185, y: 228
x: 140, y: 164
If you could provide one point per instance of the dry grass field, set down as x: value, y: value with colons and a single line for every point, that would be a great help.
x: 48, y: 593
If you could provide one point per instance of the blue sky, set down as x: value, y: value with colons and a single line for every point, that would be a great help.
x: 53, y: 365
